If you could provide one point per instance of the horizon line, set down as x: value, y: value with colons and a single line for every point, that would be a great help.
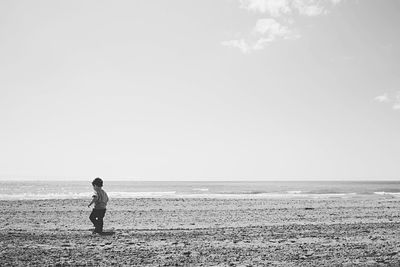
x: 202, y: 180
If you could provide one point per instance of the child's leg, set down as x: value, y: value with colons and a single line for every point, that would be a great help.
x: 100, y: 216
x: 93, y: 218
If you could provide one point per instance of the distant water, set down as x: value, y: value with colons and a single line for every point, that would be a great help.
x: 29, y: 190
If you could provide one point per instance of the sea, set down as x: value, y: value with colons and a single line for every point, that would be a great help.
x: 37, y: 190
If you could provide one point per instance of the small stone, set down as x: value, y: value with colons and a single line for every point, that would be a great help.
x: 392, y: 253
x: 309, y: 253
x: 371, y: 263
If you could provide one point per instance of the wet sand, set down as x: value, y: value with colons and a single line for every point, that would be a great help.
x: 362, y: 231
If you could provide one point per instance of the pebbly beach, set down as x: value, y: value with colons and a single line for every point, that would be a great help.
x: 361, y: 231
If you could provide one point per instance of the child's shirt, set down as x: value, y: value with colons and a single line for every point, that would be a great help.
x: 101, y: 199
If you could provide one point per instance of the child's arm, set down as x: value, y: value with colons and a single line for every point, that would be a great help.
x: 93, y: 200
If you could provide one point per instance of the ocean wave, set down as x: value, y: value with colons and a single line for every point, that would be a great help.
x: 333, y: 195
x: 294, y: 192
x: 142, y: 194
x: 250, y: 192
x: 31, y: 196
x: 200, y: 189
x: 387, y: 193
x: 84, y: 195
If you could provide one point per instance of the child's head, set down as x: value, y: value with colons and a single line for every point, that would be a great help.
x: 97, y: 182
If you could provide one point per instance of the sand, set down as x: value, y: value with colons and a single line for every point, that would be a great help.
x: 362, y: 231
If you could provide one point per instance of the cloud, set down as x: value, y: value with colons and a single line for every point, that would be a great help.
x: 390, y: 98
x: 264, y: 32
x: 274, y: 7
x: 382, y: 98
x: 396, y: 106
x: 271, y: 30
x: 241, y: 44
x: 277, y: 8
x: 271, y: 27
x: 308, y: 8
x: 280, y: 23
x: 335, y: 2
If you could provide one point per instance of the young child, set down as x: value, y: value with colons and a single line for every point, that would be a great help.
x: 100, y: 200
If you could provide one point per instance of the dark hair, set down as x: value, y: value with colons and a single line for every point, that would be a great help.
x: 97, y: 182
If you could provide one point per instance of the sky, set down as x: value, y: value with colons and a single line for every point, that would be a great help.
x: 200, y: 90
